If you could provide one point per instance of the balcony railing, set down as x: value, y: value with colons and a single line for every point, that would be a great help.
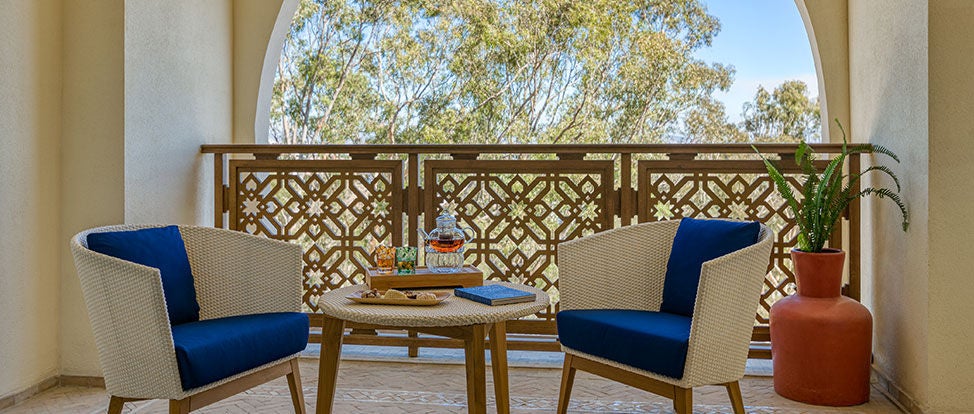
x: 339, y: 201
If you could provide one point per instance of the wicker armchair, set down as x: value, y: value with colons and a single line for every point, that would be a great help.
x: 235, y: 275
x: 625, y: 268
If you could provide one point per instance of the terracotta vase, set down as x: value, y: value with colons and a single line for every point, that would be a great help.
x: 821, y: 341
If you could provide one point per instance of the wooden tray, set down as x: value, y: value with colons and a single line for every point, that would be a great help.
x: 468, y: 276
x: 440, y: 297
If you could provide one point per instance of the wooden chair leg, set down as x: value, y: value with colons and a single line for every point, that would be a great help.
x: 294, y: 383
x: 567, y: 380
x: 179, y: 406
x: 734, y: 392
x: 115, y: 405
x: 683, y: 400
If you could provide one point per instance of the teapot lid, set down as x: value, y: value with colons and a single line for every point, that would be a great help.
x: 446, y: 220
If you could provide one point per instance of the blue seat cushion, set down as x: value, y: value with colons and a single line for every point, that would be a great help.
x: 214, y: 349
x: 651, y: 341
x: 696, y: 242
x: 163, y: 249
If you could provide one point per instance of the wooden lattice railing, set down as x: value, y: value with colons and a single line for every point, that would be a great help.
x: 339, y: 201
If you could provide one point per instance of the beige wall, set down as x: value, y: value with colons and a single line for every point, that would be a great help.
x: 910, y: 65
x: 92, y: 161
x: 30, y: 36
x: 258, y: 35
x: 146, y: 83
x: 888, y: 72
x: 951, y: 224
x: 178, y: 81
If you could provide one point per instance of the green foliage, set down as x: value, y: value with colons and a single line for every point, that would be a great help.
x: 496, y: 71
x: 535, y: 71
x: 826, y: 195
x: 786, y: 114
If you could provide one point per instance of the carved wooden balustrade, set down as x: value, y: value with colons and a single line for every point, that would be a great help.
x: 339, y: 201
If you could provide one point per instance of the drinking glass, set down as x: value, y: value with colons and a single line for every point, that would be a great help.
x: 385, y: 259
x: 406, y: 260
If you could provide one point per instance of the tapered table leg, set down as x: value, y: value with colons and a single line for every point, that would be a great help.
x: 476, y: 366
x: 498, y: 362
x: 332, y: 331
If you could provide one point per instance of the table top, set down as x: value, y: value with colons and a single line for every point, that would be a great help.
x: 451, y: 312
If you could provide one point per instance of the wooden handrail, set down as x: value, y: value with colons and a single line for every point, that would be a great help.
x: 508, y: 148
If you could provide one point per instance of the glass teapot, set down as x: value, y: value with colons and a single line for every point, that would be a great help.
x: 447, y: 237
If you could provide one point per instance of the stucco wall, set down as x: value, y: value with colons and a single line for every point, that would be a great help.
x: 147, y: 82
x: 30, y: 37
x: 258, y: 35
x: 92, y: 156
x: 951, y: 224
x: 888, y: 72
x: 178, y: 81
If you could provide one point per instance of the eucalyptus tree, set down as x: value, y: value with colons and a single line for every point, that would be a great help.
x: 786, y: 114
x: 498, y: 71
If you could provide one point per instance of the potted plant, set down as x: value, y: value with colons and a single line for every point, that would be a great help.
x: 821, y: 342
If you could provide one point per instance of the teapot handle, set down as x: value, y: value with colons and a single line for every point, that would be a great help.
x: 466, y: 238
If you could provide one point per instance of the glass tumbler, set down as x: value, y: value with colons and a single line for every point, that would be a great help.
x: 385, y: 259
x: 406, y: 260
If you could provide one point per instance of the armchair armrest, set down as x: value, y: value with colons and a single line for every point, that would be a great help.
x: 619, y: 268
x: 241, y: 274
x: 128, y: 316
x: 723, y: 319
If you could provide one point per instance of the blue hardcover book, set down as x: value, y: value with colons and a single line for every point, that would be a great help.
x: 494, y: 295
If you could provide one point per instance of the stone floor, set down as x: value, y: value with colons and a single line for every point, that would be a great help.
x: 372, y: 381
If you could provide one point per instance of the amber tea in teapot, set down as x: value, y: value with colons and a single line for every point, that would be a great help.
x: 445, y: 245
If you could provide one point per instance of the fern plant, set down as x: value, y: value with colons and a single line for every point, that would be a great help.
x: 826, y: 195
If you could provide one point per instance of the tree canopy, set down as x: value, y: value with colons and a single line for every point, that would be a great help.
x: 501, y: 71
x: 785, y: 114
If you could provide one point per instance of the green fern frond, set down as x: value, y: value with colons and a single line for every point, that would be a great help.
x: 826, y: 196
x: 873, y: 149
x: 887, y: 193
x: 882, y: 168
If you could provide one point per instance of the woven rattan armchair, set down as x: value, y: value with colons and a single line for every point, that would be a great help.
x: 235, y: 275
x: 623, y: 269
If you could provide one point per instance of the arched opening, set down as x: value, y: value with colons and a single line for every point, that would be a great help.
x: 271, y: 58
x: 541, y: 73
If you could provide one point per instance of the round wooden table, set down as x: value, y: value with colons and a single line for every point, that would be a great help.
x: 454, y: 317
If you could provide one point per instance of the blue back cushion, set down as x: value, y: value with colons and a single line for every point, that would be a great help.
x: 163, y: 249
x: 696, y: 242
x: 214, y: 349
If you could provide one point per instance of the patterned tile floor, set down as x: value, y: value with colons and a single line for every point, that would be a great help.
x: 372, y: 380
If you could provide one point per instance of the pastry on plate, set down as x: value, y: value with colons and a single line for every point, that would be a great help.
x: 394, y: 294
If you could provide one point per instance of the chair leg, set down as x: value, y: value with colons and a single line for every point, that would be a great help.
x: 179, y: 406
x: 115, y: 405
x: 294, y: 383
x: 734, y: 392
x: 683, y: 400
x: 567, y: 380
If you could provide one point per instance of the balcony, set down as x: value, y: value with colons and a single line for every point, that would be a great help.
x: 109, y: 101
x: 339, y: 202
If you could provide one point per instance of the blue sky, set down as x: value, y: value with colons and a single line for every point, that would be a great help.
x: 766, y: 43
